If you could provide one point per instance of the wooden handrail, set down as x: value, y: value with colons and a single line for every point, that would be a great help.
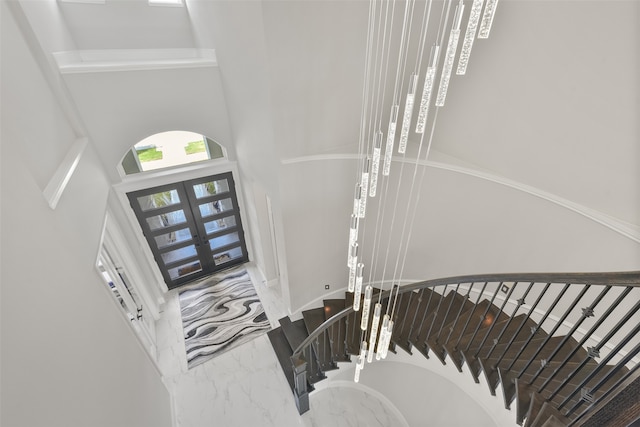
x: 624, y: 278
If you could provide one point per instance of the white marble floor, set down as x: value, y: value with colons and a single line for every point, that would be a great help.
x: 246, y: 387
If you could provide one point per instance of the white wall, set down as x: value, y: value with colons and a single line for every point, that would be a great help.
x: 68, y: 356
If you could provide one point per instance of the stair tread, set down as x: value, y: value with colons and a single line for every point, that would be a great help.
x: 449, y: 312
x: 409, y: 304
x: 465, y: 328
x: 283, y: 352
x: 296, y: 332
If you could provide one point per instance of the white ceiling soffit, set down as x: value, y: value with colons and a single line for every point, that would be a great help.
x: 103, y: 60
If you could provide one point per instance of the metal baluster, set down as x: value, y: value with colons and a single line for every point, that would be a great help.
x: 446, y: 315
x: 406, y: 312
x: 586, y: 312
x: 424, y: 316
x: 605, y: 395
x: 597, y: 348
x: 555, y: 328
x: 608, y: 376
x: 520, y: 302
x: 415, y: 315
x: 524, y: 322
x: 473, y: 311
x: 436, y: 314
x: 495, y: 319
x: 555, y: 302
x: 455, y: 323
x: 586, y: 337
x: 484, y: 316
x: 604, y: 361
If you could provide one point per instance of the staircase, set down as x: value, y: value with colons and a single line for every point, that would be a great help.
x: 561, y: 347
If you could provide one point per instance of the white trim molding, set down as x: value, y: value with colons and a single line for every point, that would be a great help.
x: 630, y: 231
x: 109, y: 60
x: 54, y: 189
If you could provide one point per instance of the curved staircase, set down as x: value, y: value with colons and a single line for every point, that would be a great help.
x: 561, y: 347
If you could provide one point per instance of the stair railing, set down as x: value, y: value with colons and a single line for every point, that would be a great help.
x: 537, y: 351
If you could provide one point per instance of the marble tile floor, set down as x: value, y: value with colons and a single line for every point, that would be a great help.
x: 246, y: 387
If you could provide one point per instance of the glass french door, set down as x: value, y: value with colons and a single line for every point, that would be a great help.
x: 193, y: 227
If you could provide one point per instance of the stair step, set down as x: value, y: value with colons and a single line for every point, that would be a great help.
x: 452, y: 305
x: 424, y: 317
x: 313, y: 319
x: 464, y: 330
x: 283, y: 352
x: 490, y: 366
x: 296, y: 333
x: 337, y: 333
x: 523, y: 390
x: 548, y: 416
x: 403, y: 322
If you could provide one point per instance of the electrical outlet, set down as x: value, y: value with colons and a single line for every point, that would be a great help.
x: 326, y: 287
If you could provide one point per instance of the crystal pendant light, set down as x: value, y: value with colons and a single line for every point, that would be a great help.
x: 352, y: 264
x: 408, y: 111
x: 366, y: 307
x: 391, y: 136
x: 375, y: 165
x: 383, y: 336
x: 364, y: 184
x: 375, y: 322
x: 358, y: 288
x: 385, y: 347
x: 356, y: 200
x: 469, y: 36
x: 487, y: 19
x: 353, y: 230
x: 360, y: 363
x: 427, y: 90
x: 450, y: 55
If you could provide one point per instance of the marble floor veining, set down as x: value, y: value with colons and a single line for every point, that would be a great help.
x: 246, y: 387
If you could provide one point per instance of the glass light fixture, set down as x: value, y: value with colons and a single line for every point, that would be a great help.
x: 375, y: 165
x: 385, y: 347
x: 383, y: 336
x: 450, y: 55
x: 391, y: 136
x: 487, y: 19
x: 356, y: 200
x: 366, y: 307
x: 469, y: 36
x: 364, y: 183
x: 360, y: 363
x: 375, y: 322
x: 427, y: 90
x: 408, y: 111
x: 353, y: 230
x: 352, y: 264
x: 358, y: 289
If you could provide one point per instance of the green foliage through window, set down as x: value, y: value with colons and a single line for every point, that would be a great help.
x: 149, y: 154
x: 195, y: 147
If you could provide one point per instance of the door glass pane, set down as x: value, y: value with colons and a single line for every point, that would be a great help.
x: 173, y: 237
x: 224, y: 240
x: 185, y: 270
x: 178, y: 254
x: 159, y: 200
x: 220, y: 224
x: 214, y: 208
x: 207, y: 189
x: 227, y: 256
x: 166, y: 220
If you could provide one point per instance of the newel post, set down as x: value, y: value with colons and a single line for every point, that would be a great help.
x: 300, y: 384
